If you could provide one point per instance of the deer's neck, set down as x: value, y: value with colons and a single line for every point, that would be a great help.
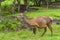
x: 26, y: 19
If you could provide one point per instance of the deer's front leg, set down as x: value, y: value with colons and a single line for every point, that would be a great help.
x: 34, y: 30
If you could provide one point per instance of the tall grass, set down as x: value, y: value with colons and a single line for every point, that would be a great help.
x: 27, y: 34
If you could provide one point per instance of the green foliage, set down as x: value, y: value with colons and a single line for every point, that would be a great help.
x: 6, y: 8
x: 45, y: 12
x: 28, y: 35
x: 6, y: 2
x: 11, y: 23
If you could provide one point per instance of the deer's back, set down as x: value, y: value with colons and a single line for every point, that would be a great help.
x: 43, y: 21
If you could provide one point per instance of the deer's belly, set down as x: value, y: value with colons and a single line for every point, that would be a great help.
x: 42, y: 26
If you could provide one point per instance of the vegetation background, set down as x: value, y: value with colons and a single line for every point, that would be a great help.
x: 9, y: 24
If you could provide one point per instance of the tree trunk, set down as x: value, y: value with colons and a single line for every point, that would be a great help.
x: 13, y: 5
x: 18, y: 5
x: 0, y: 6
x: 26, y: 4
x: 39, y: 2
x: 47, y: 4
x: 36, y: 2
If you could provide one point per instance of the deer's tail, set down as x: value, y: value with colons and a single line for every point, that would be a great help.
x: 51, y: 19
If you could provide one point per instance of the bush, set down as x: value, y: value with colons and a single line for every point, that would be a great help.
x: 9, y: 24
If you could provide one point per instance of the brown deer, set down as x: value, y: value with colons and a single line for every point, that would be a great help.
x: 39, y: 22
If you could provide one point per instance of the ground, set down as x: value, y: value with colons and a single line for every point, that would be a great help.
x: 28, y: 35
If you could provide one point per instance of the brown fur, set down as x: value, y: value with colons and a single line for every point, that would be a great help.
x: 39, y: 22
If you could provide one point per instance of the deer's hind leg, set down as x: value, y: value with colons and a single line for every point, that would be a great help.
x: 45, y: 29
x: 50, y: 28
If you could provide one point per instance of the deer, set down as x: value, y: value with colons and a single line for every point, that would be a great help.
x: 39, y: 22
